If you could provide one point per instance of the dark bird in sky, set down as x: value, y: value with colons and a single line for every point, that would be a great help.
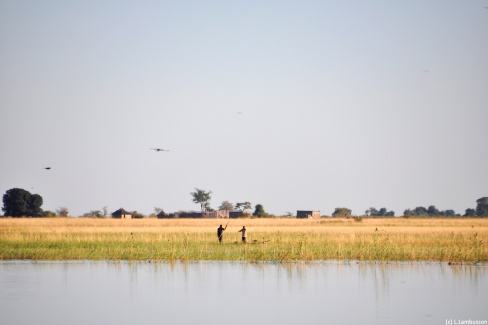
x: 47, y: 168
x: 159, y: 149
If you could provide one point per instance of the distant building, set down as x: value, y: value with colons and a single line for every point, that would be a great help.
x: 238, y: 214
x: 122, y: 214
x: 220, y: 214
x: 191, y: 214
x: 302, y: 214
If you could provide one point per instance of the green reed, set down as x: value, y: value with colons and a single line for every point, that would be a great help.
x: 263, y: 246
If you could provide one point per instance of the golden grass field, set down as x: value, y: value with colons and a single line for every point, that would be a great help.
x: 374, y: 239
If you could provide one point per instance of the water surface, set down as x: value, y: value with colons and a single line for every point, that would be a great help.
x: 203, y: 292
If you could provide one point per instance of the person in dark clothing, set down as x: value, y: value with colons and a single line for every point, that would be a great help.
x: 244, y: 236
x: 220, y: 232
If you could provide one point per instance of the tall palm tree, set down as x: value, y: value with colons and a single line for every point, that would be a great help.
x: 203, y: 198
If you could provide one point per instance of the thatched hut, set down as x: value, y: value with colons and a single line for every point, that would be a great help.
x: 122, y: 214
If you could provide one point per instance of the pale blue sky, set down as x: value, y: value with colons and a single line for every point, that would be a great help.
x: 343, y: 103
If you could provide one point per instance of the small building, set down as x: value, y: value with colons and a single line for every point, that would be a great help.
x: 238, y: 214
x: 122, y: 214
x: 303, y: 214
x: 220, y: 214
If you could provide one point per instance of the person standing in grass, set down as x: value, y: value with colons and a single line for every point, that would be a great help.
x: 220, y: 232
x: 244, y: 236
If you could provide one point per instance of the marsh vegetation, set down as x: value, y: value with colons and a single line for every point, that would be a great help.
x: 382, y: 239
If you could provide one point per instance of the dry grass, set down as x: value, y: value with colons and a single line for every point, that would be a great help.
x: 392, y: 239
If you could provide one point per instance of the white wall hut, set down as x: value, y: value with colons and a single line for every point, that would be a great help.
x: 308, y: 214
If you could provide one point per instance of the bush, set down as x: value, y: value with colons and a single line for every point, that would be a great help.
x: 49, y: 214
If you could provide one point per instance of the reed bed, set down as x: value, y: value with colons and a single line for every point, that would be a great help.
x: 458, y: 240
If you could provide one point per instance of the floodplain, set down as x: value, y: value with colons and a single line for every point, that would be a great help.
x: 454, y: 240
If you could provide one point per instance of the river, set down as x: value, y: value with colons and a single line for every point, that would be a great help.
x: 234, y: 293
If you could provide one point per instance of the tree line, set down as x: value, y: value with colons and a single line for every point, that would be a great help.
x: 481, y: 210
x: 18, y: 202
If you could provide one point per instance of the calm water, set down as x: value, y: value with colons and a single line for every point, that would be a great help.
x: 110, y: 292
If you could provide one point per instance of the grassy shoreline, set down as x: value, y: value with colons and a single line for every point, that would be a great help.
x: 389, y: 239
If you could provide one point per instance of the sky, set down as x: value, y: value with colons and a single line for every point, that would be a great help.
x: 295, y: 105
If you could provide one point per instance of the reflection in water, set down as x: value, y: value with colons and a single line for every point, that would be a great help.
x: 124, y: 292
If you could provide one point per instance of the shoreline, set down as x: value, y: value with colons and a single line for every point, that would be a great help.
x: 298, y: 262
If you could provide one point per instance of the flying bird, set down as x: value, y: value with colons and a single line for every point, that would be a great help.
x: 47, y: 168
x: 159, y: 149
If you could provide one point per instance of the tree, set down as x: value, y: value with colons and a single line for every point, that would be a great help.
x: 48, y: 214
x: 34, y: 206
x: 226, y: 206
x: 420, y: 211
x: 383, y: 212
x: 341, y: 212
x: 62, y: 212
x: 93, y: 214
x: 432, y: 211
x: 449, y: 213
x: 259, y: 211
x: 243, y: 206
x: 137, y: 215
x: 18, y: 202
x: 482, y: 207
x: 208, y: 208
x: 372, y: 212
x: 470, y: 213
x: 408, y: 212
x: 203, y: 198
